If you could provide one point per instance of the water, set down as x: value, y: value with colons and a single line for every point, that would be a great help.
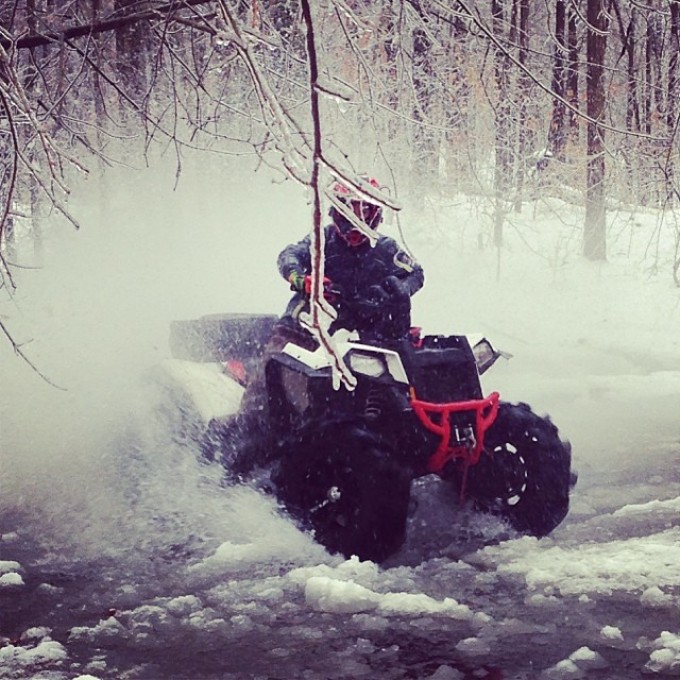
x: 182, y: 577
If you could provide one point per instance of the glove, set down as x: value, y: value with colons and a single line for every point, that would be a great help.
x: 297, y: 281
x: 396, y: 288
x: 392, y: 289
x: 328, y: 291
x: 302, y: 283
x: 377, y: 294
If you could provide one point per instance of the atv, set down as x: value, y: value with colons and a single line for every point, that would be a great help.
x: 342, y: 461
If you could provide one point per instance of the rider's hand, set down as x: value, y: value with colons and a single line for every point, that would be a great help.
x: 377, y: 294
x: 302, y: 283
x: 328, y: 291
x: 391, y: 288
x: 396, y: 288
x: 297, y: 281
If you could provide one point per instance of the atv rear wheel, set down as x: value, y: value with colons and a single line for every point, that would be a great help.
x: 341, y: 481
x: 524, y: 472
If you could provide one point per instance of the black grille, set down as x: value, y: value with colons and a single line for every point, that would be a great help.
x: 444, y: 370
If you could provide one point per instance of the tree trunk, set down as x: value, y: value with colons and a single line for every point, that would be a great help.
x: 524, y: 137
x: 573, y: 70
x: 673, y: 88
x: 458, y: 111
x: 34, y: 85
x: 595, y: 233
x: 632, y: 103
x: 503, y: 146
x: 8, y: 243
x: 647, y: 102
x: 425, y: 158
x: 132, y: 43
x: 556, y: 134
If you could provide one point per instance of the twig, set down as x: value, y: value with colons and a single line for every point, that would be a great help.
x: 18, y: 352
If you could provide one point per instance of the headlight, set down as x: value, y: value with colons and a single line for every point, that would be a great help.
x: 485, y: 355
x: 366, y: 364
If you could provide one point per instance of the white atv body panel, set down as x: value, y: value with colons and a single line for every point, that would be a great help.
x: 319, y: 358
x: 485, y: 354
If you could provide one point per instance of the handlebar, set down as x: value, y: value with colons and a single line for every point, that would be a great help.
x: 384, y: 310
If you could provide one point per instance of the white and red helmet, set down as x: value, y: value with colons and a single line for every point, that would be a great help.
x: 367, y: 212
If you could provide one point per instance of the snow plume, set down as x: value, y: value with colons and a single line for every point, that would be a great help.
x: 95, y: 319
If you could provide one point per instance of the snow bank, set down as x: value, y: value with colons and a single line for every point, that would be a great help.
x: 631, y: 565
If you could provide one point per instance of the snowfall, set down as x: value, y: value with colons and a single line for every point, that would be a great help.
x: 123, y: 557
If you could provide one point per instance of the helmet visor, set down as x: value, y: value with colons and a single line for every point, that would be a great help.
x: 368, y: 213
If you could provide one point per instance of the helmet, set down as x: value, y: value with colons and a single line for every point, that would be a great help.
x: 367, y: 212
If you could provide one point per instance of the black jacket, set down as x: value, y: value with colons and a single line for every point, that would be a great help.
x: 354, y: 271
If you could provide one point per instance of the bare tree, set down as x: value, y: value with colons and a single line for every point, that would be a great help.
x: 503, y: 167
x: 525, y: 138
x: 595, y: 231
x: 557, y: 133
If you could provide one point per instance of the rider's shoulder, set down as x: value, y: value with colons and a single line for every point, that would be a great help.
x: 388, y: 245
x: 387, y: 241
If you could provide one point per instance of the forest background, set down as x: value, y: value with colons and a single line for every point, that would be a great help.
x: 504, y: 100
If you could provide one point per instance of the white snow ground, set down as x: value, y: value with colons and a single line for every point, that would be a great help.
x: 594, y: 345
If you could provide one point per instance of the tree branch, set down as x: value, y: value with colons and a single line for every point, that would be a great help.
x: 49, y: 37
x: 321, y: 314
x: 18, y: 351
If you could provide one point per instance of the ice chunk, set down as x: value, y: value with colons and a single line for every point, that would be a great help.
x: 586, y: 659
x: 419, y: 603
x: 327, y: 594
x: 184, y: 605
x: 7, y: 566
x: 47, y: 651
x: 666, y: 657
x: 109, y: 628
x: 446, y: 673
x: 11, y: 580
x: 371, y: 622
x: 340, y: 597
x: 655, y: 597
x: 611, y: 633
x: 564, y: 670
x: 36, y: 633
x: 473, y: 647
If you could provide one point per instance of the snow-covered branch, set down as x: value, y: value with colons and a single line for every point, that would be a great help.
x: 321, y: 313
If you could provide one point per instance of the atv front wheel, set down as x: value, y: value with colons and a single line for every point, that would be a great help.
x: 524, y: 472
x: 341, y: 481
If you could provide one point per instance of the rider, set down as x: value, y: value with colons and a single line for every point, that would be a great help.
x: 381, y: 274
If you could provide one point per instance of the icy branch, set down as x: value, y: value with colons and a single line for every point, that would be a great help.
x: 321, y: 313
